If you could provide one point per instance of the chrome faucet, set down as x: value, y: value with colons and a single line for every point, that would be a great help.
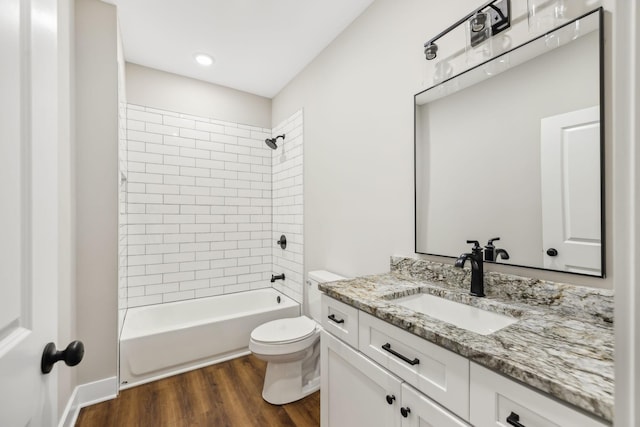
x: 477, y: 269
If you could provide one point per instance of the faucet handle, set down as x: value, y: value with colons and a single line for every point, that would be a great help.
x: 476, y: 244
x: 490, y: 242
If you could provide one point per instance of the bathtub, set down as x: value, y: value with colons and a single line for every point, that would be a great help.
x: 166, y: 339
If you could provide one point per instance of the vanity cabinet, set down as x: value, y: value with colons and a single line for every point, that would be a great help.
x: 497, y: 402
x: 392, y: 378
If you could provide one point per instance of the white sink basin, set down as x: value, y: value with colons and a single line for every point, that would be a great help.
x: 461, y: 315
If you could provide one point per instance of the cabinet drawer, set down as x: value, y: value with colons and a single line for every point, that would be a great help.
x: 495, y: 398
x: 340, y: 319
x: 437, y: 372
x: 422, y: 411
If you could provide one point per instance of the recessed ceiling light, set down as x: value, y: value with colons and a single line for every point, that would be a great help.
x: 203, y: 59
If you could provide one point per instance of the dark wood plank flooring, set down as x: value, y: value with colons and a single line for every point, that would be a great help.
x: 225, y: 394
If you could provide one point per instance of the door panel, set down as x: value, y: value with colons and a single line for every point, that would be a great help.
x: 571, y: 207
x: 28, y: 190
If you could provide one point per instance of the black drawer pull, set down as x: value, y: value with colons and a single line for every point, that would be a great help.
x: 387, y: 347
x: 390, y: 399
x: 332, y: 317
x: 405, y: 411
x: 513, y: 420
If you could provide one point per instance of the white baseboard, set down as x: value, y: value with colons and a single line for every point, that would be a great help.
x: 85, y: 395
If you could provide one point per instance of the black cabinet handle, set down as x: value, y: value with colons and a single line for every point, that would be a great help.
x: 332, y: 317
x: 405, y: 411
x: 72, y: 355
x: 552, y: 252
x: 387, y: 347
x: 390, y: 399
x: 513, y: 420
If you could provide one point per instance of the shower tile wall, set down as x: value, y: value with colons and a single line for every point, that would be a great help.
x: 288, y: 206
x: 199, y: 207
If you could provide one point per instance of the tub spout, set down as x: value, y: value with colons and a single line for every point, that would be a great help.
x: 278, y: 277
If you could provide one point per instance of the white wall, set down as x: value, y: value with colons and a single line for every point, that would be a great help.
x: 198, y: 207
x: 166, y: 91
x: 96, y: 182
x: 358, y: 101
x: 288, y: 204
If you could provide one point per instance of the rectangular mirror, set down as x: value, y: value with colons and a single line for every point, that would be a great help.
x: 512, y: 149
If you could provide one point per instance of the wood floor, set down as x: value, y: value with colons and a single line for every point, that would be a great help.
x: 226, y: 394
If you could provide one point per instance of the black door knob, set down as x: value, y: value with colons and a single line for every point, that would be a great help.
x: 552, y: 252
x: 405, y: 411
x: 390, y: 399
x: 72, y: 355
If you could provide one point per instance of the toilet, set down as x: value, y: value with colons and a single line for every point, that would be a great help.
x: 291, y: 348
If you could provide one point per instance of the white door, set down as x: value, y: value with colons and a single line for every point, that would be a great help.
x: 28, y: 191
x: 570, y: 163
x: 355, y: 391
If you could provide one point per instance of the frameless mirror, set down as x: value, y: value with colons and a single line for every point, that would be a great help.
x: 512, y: 149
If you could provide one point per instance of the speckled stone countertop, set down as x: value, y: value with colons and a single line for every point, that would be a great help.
x: 562, y: 343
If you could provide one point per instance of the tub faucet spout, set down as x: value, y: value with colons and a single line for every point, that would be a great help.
x: 278, y: 277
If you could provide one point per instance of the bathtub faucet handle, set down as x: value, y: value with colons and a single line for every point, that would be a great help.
x: 278, y: 277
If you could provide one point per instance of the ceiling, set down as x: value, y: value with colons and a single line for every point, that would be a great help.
x: 258, y: 45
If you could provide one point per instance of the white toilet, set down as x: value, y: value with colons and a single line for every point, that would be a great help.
x: 291, y: 348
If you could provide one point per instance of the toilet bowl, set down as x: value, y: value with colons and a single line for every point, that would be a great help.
x: 291, y: 348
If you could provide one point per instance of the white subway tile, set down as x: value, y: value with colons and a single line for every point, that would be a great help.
x: 237, y: 253
x: 226, y: 139
x: 162, y: 129
x: 162, y: 248
x: 162, y: 189
x: 209, y: 182
x: 210, y: 146
x: 162, y: 228
x: 194, y: 171
x: 179, y: 238
x: 194, y: 265
x: 209, y: 255
x: 194, y: 284
x: 162, y: 149
x: 210, y: 219
x: 144, y: 259
x: 135, y: 156
x: 194, y: 247
x: 162, y: 268
x: 179, y: 257
x: 145, y: 300
x: 144, y: 219
x: 178, y: 219
x: 178, y: 296
x: 179, y: 122
x: 195, y: 134
x: 222, y: 281
x: 135, y: 125
x: 178, y: 141
x: 195, y: 228
x: 178, y: 277
x: 134, y: 135
x: 237, y: 132
x: 162, y: 288
x: 179, y: 199
x: 209, y: 200
x: 209, y: 274
x: 194, y: 209
x: 203, y: 162
x: 209, y: 127
x: 209, y: 237
x: 144, y: 116
x: 163, y: 169
x: 194, y: 191
x: 236, y: 271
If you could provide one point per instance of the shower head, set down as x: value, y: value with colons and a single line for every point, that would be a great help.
x: 271, y: 142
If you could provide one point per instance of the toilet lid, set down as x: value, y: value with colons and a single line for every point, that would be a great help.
x: 284, y: 330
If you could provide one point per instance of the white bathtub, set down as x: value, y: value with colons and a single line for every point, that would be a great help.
x: 166, y: 339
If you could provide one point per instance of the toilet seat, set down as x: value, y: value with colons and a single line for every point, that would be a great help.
x: 283, y: 331
x: 284, y: 336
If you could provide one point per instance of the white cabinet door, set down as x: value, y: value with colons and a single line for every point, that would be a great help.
x: 355, y: 391
x: 29, y: 195
x: 418, y: 410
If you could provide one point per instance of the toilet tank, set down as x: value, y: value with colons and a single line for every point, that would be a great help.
x: 313, y: 293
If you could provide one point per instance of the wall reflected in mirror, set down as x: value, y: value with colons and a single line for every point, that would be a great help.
x: 512, y: 149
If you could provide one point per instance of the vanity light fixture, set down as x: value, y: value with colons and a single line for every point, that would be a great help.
x: 203, y: 59
x: 497, y: 12
x: 431, y: 51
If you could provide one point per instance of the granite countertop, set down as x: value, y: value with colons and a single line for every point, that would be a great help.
x: 562, y: 343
